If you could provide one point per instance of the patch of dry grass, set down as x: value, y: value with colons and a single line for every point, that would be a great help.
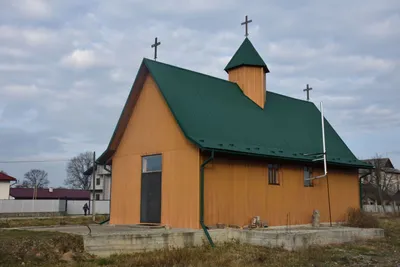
x: 28, y: 248
x: 383, y: 252
x: 50, y: 221
x: 361, y: 219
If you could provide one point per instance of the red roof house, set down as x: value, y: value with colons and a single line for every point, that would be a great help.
x: 5, y: 180
x: 50, y: 193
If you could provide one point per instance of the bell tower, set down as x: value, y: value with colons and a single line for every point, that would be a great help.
x: 248, y: 69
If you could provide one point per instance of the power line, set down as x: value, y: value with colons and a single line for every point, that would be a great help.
x: 35, y: 161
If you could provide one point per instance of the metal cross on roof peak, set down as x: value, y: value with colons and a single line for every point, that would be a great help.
x: 308, y: 89
x: 155, y: 47
x: 246, y: 23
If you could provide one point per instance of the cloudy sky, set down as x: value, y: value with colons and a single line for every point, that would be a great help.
x: 66, y: 67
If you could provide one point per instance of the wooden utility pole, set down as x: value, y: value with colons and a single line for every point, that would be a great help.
x: 94, y: 186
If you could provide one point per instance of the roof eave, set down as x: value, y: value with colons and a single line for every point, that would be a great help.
x: 342, y: 164
x: 227, y: 68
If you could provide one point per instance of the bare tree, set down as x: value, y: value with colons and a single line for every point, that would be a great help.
x: 35, y: 179
x: 382, y: 178
x: 75, y: 171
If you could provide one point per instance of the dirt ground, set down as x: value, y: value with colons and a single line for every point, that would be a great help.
x: 30, y: 248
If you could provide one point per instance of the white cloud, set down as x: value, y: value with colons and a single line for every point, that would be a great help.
x: 31, y: 36
x: 80, y: 59
x: 339, y: 101
x: 362, y: 63
x: 19, y: 90
x: 15, y: 67
x: 388, y: 27
x: 121, y: 75
x: 375, y: 110
x: 26, y: 117
x: 33, y: 8
x: 14, y: 52
x: 85, y: 58
x: 295, y: 50
x: 192, y: 5
x: 125, y: 8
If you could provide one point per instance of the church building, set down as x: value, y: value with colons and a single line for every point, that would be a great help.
x: 191, y: 150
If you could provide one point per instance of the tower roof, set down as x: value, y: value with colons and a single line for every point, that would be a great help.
x: 246, y: 55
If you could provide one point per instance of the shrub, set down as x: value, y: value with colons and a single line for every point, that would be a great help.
x: 361, y: 219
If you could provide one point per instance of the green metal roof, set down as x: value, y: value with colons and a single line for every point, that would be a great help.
x: 246, y: 55
x: 215, y: 114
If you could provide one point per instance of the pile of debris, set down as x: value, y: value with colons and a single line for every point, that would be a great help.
x: 255, y: 222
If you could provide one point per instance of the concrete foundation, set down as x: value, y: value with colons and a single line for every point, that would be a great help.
x: 302, y: 238
x: 107, y: 239
x: 105, y: 245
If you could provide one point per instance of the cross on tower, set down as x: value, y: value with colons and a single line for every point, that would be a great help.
x: 155, y: 48
x: 246, y: 22
x: 308, y: 89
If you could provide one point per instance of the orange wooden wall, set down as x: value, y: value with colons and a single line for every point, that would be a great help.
x: 152, y: 129
x: 252, y: 82
x: 237, y: 190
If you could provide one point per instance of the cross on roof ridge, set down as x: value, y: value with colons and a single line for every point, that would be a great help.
x: 155, y: 47
x: 246, y: 23
x: 308, y: 89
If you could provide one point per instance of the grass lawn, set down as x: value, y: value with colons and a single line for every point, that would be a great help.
x: 66, y: 220
x: 47, y: 248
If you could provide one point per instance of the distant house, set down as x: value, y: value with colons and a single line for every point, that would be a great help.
x: 390, y: 176
x: 5, y: 181
x: 49, y: 193
x: 370, y: 195
x: 102, y: 183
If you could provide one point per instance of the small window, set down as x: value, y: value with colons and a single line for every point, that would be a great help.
x: 97, y: 181
x: 151, y: 163
x: 97, y: 196
x: 307, y: 176
x: 273, y: 174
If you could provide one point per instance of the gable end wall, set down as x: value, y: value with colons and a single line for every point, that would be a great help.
x: 152, y: 129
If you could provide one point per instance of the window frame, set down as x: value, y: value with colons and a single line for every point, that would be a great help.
x: 97, y: 196
x: 273, y: 174
x: 98, y: 182
x: 144, y: 165
x: 309, y: 183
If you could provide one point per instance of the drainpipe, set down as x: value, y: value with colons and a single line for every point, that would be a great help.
x: 361, y: 202
x: 202, y: 166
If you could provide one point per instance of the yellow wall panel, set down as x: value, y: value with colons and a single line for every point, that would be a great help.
x: 152, y: 129
x: 237, y: 190
x: 252, y: 82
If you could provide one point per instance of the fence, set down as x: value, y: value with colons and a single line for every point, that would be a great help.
x: 379, y: 208
x: 19, y: 207
x: 75, y: 207
x: 25, y: 206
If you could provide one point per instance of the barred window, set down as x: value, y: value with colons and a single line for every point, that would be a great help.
x: 307, y: 176
x: 273, y: 177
